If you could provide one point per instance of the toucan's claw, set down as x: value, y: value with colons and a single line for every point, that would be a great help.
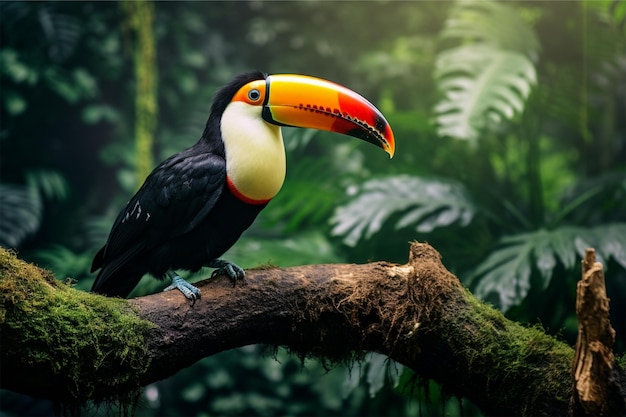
x: 188, y: 290
x: 233, y: 271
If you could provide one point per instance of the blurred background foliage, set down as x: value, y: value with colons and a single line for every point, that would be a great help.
x: 510, y: 123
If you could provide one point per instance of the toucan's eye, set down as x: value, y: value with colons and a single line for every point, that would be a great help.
x: 254, y: 95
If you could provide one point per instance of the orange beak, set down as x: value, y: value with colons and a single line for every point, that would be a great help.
x: 302, y: 101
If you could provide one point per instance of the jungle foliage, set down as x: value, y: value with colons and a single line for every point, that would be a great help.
x: 511, y: 156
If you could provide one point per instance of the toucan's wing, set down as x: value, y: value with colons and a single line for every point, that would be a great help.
x: 176, y: 196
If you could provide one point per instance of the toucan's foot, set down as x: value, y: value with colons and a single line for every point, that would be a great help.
x: 233, y: 271
x: 188, y: 290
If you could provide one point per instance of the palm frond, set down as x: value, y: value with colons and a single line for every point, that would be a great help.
x: 506, y: 272
x: 421, y: 203
x: 481, y: 86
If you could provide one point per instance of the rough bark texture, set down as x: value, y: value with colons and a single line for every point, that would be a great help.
x: 598, y: 384
x: 418, y: 314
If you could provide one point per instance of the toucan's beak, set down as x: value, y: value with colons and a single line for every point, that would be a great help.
x: 302, y: 101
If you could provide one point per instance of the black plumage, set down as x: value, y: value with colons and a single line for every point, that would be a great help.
x: 183, y: 217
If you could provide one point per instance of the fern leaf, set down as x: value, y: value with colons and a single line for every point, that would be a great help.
x: 480, y: 87
x: 491, y: 23
x: 422, y: 203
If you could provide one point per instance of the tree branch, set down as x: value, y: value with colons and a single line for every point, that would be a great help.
x: 72, y: 346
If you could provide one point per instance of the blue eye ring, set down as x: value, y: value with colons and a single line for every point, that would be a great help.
x: 254, y: 95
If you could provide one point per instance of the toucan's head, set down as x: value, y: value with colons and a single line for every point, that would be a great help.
x: 308, y: 102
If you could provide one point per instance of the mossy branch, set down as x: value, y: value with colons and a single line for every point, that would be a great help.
x: 72, y: 347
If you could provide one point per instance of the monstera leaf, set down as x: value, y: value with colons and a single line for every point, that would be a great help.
x: 481, y: 86
x: 507, y: 270
x: 421, y: 203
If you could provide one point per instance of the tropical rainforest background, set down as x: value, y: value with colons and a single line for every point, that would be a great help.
x: 510, y: 124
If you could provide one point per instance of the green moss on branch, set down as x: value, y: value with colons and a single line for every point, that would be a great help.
x: 55, y: 333
x: 503, y: 354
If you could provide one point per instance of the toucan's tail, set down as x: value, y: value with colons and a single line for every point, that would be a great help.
x: 114, y: 279
x: 118, y: 284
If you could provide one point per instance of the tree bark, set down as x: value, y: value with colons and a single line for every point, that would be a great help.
x: 418, y: 314
x: 599, y: 388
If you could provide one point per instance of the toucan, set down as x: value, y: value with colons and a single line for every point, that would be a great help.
x: 196, y: 204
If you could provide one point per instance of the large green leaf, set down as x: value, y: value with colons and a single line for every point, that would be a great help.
x: 421, y: 203
x: 486, y: 78
x: 492, y: 23
x: 506, y: 272
x: 481, y: 86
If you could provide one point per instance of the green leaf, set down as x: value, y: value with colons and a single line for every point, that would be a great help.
x: 20, y: 214
x: 377, y: 373
x: 51, y: 184
x: 64, y: 262
x: 481, y: 86
x: 492, y: 23
x: 506, y: 271
x: 71, y: 86
x: 487, y: 77
x: 610, y: 242
x: 62, y: 32
x: 377, y: 369
x: 308, y: 195
x: 16, y: 70
x: 301, y: 249
x: 421, y: 203
x: 100, y: 113
x: 14, y: 102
